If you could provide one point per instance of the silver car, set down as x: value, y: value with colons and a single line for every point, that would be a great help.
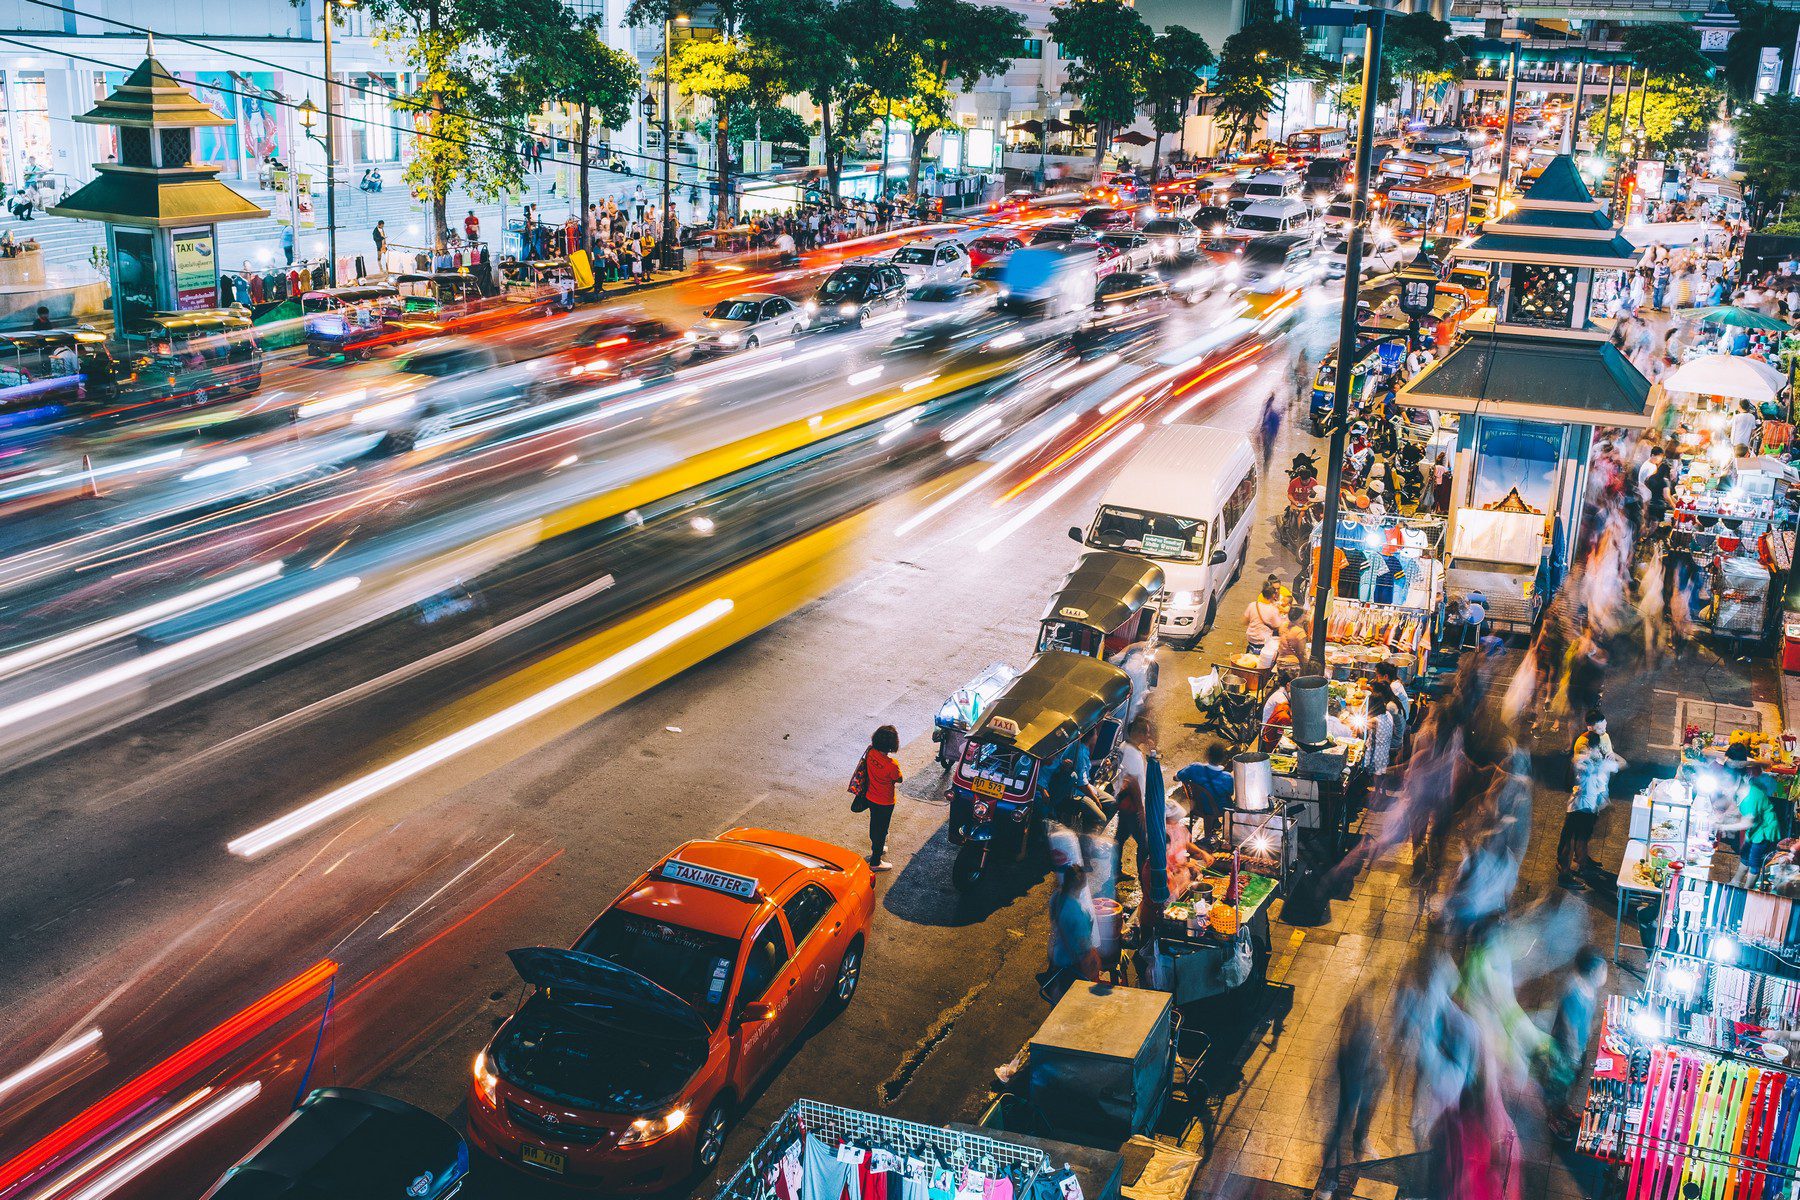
x: 745, y: 322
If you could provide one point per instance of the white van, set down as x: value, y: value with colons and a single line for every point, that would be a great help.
x: 1273, y: 185
x: 1276, y: 216
x: 1186, y: 499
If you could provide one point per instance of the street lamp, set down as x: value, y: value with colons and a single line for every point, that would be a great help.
x: 671, y: 251
x: 330, y: 144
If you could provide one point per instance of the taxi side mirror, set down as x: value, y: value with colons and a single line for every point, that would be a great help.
x: 757, y: 1011
x: 1218, y: 558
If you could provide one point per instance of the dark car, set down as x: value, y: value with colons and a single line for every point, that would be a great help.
x: 991, y: 271
x: 1325, y: 175
x: 1061, y: 233
x: 351, y: 1145
x: 1211, y: 219
x: 1103, y: 217
x: 855, y: 292
x: 1131, y: 289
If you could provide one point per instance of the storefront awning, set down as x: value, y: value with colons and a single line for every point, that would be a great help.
x: 1534, y: 378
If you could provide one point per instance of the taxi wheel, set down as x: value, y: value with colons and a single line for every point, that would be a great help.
x: 849, y: 974
x: 709, y: 1141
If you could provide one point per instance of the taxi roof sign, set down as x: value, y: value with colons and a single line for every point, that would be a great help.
x: 740, y: 886
x: 1003, y: 726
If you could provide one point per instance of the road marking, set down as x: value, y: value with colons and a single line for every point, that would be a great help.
x: 425, y: 903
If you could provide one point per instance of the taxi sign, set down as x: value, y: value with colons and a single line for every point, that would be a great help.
x: 676, y: 871
x: 1074, y: 614
x: 1003, y: 727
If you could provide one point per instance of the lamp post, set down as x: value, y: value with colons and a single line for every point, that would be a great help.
x: 308, y: 113
x: 330, y: 144
x: 671, y: 250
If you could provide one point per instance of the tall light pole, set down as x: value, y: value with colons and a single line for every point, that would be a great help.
x: 1347, y: 333
x: 331, y: 151
x: 671, y: 251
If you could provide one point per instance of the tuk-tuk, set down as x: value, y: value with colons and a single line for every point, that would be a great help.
x: 1040, y: 716
x: 541, y: 283
x: 1107, y: 603
x: 196, y: 357
x: 345, y: 320
x: 44, y: 372
x: 426, y: 299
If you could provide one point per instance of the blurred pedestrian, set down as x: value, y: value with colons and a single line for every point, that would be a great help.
x: 1129, y: 794
x: 1270, y: 427
x: 1360, y: 1078
x: 1074, y: 946
x: 1209, y: 786
x: 873, y: 785
x: 1557, y: 1065
x: 1592, y: 768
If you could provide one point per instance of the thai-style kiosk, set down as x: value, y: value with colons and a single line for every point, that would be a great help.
x: 160, y: 207
x: 1528, y: 391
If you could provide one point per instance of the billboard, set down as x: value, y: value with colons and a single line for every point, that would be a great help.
x: 196, y: 268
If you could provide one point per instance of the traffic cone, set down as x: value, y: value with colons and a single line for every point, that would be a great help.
x: 87, y: 464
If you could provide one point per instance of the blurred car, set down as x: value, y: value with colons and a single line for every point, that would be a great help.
x: 932, y: 260
x: 1013, y: 203
x: 1171, y: 237
x: 1178, y: 198
x: 345, y: 1142
x: 1110, y: 258
x: 990, y: 246
x: 1131, y: 289
x: 951, y: 298
x: 1103, y: 217
x: 855, y: 292
x: 1136, y: 251
x: 1060, y: 233
x: 745, y: 322
x: 1211, y: 219
x: 623, y: 345
x: 450, y: 357
x: 1279, y: 262
x: 1379, y: 256
x: 633, y: 1050
x: 991, y: 271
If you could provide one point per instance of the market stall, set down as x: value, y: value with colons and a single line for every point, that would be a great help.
x: 1387, y: 587
x: 1208, y: 938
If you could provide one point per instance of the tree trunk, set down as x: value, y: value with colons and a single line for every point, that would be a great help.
x: 1155, y: 156
x: 581, y: 212
x: 1101, y: 129
x: 915, y: 163
x: 440, y: 198
x: 833, y: 168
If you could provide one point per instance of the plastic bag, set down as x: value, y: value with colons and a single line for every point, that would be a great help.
x: 1236, y: 971
x: 1206, y: 688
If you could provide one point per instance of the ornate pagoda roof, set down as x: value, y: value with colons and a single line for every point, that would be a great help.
x: 1536, y: 378
x: 1558, y: 222
x: 151, y: 98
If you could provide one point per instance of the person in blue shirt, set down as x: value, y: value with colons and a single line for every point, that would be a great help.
x: 1209, y: 788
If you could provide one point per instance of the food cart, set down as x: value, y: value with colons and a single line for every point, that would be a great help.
x: 1387, y: 589
x: 1500, y: 554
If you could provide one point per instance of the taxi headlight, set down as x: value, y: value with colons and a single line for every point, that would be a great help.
x: 846, y: 310
x: 690, y: 336
x: 645, y: 1130
x: 730, y: 339
x: 486, y: 1081
x: 984, y: 809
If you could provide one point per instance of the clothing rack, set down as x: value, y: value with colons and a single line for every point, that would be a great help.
x: 833, y: 1123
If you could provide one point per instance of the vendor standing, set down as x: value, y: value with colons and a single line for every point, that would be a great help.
x: 1209, y: 787
x: 1756, y: 814
x: 1262, y: 620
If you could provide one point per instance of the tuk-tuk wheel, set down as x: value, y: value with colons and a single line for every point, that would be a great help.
x: 970, y: 867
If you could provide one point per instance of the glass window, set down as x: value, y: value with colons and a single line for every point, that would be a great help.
x: 1031, y: 48
x: 1542, y: 296
x: 31, y: 122
x: 768, y: 954
x: 1155, y: 534
x: 695, y: 966
x: 805, y: 909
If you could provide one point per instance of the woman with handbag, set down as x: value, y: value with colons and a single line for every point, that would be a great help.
x: 872, y: 787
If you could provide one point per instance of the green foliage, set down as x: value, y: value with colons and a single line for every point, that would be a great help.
x: 1177, y: 57
x: 1674, y: 118
x: 1110, y: 49
x: 590, y: 72
x: 1669, y: 50
x: 950, y: 41
x: 479, y: 69
x: 1759, y: 24
x: 1253, y: 65
x: 1769, y: 151
x: 771, y: 122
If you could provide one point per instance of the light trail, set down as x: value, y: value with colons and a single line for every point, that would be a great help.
x: 1062, y: 488
x: 203, y: 1118
x: 44, y: 485
x: 346, y: 797
x: 49, y: 1061
x: 1186, y: 406
x: 90, y: 635
x: 998, y: 467
x: 81, y: 689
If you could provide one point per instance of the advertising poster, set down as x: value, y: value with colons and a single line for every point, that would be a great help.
x: 134, y: 273
x: 217, y: 144
x: 258, y: 119
x: 196, y: 269
x: 978, y: 151
x: 1517, y: 469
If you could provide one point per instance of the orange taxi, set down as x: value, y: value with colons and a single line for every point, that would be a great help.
x: 625, y: 1063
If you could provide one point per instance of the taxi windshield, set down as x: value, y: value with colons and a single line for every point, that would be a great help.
x: 845, y: 283
x: 590, y: 1065
x: 998, y: 763
x: 695, y: 966
x: 914, y: 256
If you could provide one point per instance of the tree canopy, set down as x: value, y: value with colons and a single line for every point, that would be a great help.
x: 1255, y: 64
x: 1109, y: 48
x: 1768, y: 152
x: 1668, y: 51
x: 1177, y: 57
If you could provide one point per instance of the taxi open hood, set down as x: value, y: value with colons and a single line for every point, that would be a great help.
x: 577, y: 977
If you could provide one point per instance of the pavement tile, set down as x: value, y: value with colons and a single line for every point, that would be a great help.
x: 1297, y: 1172
x: 1374, y: 1189
x: 1256, y: 1166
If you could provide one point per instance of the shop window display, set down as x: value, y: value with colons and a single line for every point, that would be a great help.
x: 1542, y: 296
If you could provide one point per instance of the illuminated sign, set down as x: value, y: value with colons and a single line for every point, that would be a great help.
x: 676, y: 871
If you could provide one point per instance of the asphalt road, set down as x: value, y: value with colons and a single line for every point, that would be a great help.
x: 129, y: 915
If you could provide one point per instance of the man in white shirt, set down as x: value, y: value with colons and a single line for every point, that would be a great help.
x: 1743, y: 425
x: 1128, y: 788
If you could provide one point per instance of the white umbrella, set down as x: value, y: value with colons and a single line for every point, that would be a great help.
x: 1734, y: 375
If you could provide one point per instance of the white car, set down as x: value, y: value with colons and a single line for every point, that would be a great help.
x: 744, y: 322
x: 931, y: 260
x: 1379, y: 256
x: 1136, y: 251
x: 1172, y: 237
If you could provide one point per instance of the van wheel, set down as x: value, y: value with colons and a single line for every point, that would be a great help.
x: 1212, y: 610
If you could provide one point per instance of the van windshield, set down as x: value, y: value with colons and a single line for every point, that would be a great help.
x: 1157, y: 535
x: 1260, y: 223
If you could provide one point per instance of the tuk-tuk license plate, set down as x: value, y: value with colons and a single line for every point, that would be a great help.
x: 990, y: 787
x: 550, y: 1160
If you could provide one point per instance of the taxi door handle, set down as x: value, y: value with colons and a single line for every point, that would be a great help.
x: 837, y: 926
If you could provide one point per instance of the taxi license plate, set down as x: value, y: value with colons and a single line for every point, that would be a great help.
x: 990, y: 787
x: 550, y: 1160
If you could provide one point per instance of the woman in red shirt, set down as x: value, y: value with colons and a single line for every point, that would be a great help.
x: 881, y: 773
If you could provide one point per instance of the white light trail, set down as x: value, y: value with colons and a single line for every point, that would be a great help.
x: 89, y: 635
x: 99, y: 681
x: 1207, y: 392
x: 131, y: 464
x: 49, y: 1061
x: 968, y: 439
x: 202, y: 1119
x: 339, y: 800
x: 1000, y: 465
x: 861, y: 377
x: 1061, y: 489
x: 224, y: 466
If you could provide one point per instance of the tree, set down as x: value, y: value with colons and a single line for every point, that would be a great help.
x: 1177, y: 56
x: 1769, y: 153
x: 951, y: 41
x: 601, y: 81
x: 1667, y: 51
x: 1254, y: 60
x: 1759, y: 24
x: 1110, y: 47
x: 478, y: 73
x: 722, y: 75
x: 1674, y: 118
x: 1418, y: 47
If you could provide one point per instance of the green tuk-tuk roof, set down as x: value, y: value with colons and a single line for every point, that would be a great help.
x: 1105, y: 589
x: 1053, y: 702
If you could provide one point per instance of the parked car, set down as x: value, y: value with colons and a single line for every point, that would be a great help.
x: 1172, y: 237
x: 932, y: 260
x: 345, y: 1142
x: 856, y: 292
x: 744, y: 322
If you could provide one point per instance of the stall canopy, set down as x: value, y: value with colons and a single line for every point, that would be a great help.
x: 1517, y: 375
x: 1731, y: 314
x: 1731, y: 375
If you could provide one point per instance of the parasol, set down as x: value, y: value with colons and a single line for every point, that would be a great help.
x: 1132, y: 137
x: 1032, y: 127
x: 1733, y: 375
x: 1154, y: 869
x: 1055, y: 126
x: 1731, y: 314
